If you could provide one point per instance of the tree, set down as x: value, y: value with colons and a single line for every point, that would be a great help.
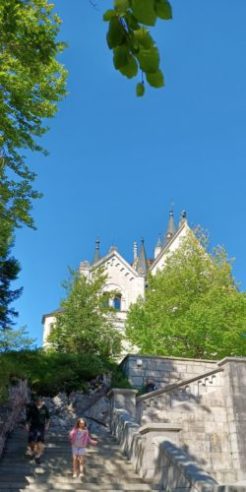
x: 85, y: 322
x: 32, y: 83
x: 192, y: 308
x: 10, y: 339
x: 9, y: 270
x: 129, y: 38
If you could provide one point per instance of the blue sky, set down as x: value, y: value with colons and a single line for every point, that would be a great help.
x: 117, y: 162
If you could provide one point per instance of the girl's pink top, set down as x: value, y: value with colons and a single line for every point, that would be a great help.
x: 80, y: 437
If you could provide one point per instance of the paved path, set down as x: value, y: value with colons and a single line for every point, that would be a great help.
x: 106, y: 469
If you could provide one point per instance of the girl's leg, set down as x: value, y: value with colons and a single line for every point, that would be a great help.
x: 75, y: 465
x: 81, y: 465
x: 39, y: 449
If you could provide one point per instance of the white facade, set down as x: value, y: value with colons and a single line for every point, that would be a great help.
x: 125, y: 279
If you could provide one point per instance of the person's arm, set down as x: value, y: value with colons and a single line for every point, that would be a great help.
x: 47, y: 419
x: 28, y: 417
x: 91, y: 440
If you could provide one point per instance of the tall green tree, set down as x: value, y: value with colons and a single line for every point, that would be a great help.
x: 128, y: 36
x: 85, y: 321
x: 32, y: 83
x: 192, y: 308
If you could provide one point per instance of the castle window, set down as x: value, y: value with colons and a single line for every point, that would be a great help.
x: 117, y: 302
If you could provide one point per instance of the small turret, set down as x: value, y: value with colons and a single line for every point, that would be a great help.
x: 97, y: 255
x: 84, y: 268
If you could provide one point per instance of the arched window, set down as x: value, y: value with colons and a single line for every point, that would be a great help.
x: 117, y: 302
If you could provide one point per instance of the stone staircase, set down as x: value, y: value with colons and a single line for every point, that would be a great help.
x: 106, y: 468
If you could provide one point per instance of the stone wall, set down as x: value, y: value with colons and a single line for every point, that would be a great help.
x: 204, y: 415
x: 140, y: 369
x: 198, y: 407
x: 157, y: 459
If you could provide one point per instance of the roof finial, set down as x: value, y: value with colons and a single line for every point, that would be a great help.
x: 183, y: 218
x: 97, y: 255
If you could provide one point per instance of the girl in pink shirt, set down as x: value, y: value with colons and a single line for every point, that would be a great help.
x: 79, y: 437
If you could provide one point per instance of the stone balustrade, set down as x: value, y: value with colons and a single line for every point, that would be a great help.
x: 208, y: 411
x: 155, y: 453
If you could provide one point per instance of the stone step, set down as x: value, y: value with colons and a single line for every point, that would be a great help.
x: 106, y: 469
x: 124, y: 487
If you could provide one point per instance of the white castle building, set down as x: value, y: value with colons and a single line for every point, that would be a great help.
x: 128, y: 280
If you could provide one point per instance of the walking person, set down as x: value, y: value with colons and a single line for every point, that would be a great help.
x: 37, y: 422
x: 80, y: 438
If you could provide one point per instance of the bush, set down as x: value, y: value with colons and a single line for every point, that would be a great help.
x: 49, y: 372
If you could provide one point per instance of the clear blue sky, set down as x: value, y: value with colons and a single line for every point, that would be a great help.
x: 116, y: 162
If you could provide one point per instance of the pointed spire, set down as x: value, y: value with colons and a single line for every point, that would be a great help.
x: 158, y: 247
x: 97, y: 255
x: 142, y: 264
x: 171, y: 228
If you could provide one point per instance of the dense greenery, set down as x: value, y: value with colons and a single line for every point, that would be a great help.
x: 129, y: 38
x: 192, y: 308
x: 50, y: 372
x: 84, y: 324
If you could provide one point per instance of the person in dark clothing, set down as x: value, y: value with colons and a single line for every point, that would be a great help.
x: 37, y: 422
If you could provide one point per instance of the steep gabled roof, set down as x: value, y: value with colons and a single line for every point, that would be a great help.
x: 167, y: 246
x: 114, y: 253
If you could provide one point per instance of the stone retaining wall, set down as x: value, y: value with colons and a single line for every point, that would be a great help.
x: 198, y: 407
x: 141, y: 369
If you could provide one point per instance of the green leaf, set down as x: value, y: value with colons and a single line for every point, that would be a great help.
x: 108, y: 15
x: 143, y: 37
x: 121, y: 56
x: 131, y: 21
x: 121, y: 5
x: 155, y: 79
x: 131, y: 69
x: 140, y: 89
x: 144, y: 11
x: 149, y: 60
x: 115, y: 34
x: 163, y: 9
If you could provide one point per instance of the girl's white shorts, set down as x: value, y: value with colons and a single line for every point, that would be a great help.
x: 78, y: 451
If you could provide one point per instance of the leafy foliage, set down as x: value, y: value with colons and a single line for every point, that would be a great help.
x: 32, y: 83
x: 192, y: 308
x: 50, y: 372
x: 129, y: 38
x: 84, y: 323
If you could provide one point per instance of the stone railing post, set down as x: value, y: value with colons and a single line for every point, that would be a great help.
x: 235, y: 398
x: 124, y: 399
